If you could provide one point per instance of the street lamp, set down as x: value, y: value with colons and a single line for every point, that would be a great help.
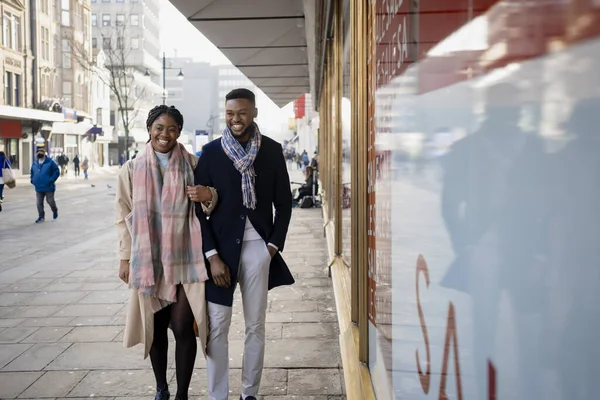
x: 164, y: 74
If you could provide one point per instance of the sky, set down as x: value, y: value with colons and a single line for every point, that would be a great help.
x: 174, y: 27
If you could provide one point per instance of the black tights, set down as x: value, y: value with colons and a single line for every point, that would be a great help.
x: 181, y: 318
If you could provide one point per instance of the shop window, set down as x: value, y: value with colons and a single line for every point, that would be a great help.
x: 346, y: 116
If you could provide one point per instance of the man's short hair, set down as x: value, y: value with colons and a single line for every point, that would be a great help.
x: 241, y: 94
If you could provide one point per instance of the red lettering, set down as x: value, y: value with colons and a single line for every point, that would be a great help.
x: 451, y: 340
x: 425, y: 378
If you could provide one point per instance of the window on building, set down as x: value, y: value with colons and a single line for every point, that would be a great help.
x: 17, y: 85
x: 66, y: 46
x: 113, y: 117
x: 67, y: 87
x: 135, y: 1
x: 99, y: 116
x: 106, y: 1
x: 135, y: 20
x: 8, y: 88
x: 106, y: 20
x: 45, y: 6
x: 120, y: 43
x: 135, y: 43
x: 16, y: 32
x: 66, y: 60
x: 106, y: 43
x: 94, y: 43
x: 120, y: 19
x: 94, y: 20
x: 66, y: 18
x: 6, y: 23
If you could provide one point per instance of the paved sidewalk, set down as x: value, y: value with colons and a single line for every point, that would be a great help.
x: 62, y: 317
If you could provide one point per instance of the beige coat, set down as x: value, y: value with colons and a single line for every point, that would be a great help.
x: 139, y: 325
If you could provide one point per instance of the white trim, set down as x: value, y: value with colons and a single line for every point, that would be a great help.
x: 30, y: 114
x: 70, y: 128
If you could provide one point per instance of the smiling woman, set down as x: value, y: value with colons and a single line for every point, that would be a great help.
x: 160, y: 248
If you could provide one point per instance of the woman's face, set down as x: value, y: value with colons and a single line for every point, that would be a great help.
x: 164, y: 133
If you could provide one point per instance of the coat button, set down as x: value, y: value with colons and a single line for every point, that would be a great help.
x: 238, y: 241
x: 242, y: 216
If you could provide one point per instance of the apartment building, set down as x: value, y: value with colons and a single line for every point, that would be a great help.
x: 129, y: 30
x: 20, y: 123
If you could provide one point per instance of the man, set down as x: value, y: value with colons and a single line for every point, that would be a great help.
x: 76, y: 165
x: 242, y: 239
x: 43, y: 176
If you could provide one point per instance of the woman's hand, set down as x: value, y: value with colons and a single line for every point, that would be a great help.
x: 199, y: 194
x: 124, y: 271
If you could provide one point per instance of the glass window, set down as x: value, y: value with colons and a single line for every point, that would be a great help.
x: 16, y: 32
x: 7, y: 37
x: 120, y: 19
x: 120, y: 43
x: 66, y: 60
x: 66, y: 18
x: 135, y: 20
x: 8, y: 88
x: 17, y: 90
x: 346, y: 138
x: 94, y: 43
x: 135, y: 43
x: 67, y: 87
x: 106, y: 43
x: 94, y: 20
x: 106, y: 20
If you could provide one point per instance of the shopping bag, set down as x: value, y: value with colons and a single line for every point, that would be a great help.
x: 8, y: 177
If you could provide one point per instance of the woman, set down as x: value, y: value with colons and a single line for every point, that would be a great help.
x: 307, y: 188
x: 160, y: 248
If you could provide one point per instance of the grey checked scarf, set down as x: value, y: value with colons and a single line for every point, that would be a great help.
x: 243, y: 161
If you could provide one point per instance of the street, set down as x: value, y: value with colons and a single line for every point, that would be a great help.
x: 62, y: 307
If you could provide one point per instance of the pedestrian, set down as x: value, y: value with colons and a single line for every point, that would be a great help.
x: 249, y: 172
x: 43, y: 176
x: 4, y: 163
x: 76, y: 165
x: 85, y: 165
x: 160, y: 250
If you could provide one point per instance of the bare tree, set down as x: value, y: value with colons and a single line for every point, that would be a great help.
x: 120, y: 77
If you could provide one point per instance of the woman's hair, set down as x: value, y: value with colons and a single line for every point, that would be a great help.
x: 164, y: 109
x: 2, y: 154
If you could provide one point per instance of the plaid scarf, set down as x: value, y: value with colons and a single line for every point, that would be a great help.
x: 243, y: 161
x: 167, y: 240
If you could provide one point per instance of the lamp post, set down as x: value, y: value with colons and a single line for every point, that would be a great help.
x: 164, y: 76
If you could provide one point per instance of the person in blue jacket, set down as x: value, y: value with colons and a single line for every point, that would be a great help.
x: 44, y: 173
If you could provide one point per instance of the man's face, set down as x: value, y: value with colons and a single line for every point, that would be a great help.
x: 41, y: 154
x: 239, y: 115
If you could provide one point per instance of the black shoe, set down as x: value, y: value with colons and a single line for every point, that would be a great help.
x: 248, y: 398
x: 162, y: 394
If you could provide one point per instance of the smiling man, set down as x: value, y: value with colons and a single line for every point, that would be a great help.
x: 242, y: 238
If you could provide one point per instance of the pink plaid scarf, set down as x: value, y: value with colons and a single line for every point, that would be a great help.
x: 167, y: 240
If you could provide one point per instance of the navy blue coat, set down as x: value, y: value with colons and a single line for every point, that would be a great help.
x: 224, y: 230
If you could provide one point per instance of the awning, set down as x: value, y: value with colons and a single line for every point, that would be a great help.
x: 264, y: 39
x: 29, y: 114
x: 94, y: 130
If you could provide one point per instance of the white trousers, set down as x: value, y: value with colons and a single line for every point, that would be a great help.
x: 253, y: 277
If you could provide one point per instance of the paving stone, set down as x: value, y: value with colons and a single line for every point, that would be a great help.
x: 91, y: 334
x: 64, y: 286
x: 117, y: 382
x: 27, y: 285
x: 11, y: 299
x: 13, y: 384
x: 6, y: 311
x: 37, y: 357
x: 39, y: 311
x: 50, y: 321
x: 314, y: 317
x: 279, y: 317
x: 54, y: 384
x: 53, y: 298
x: 106, y: 297
x: 46, y: 335
x: 317, y: 282
x: 103, y: 286
x: 314, y: 382
x: 93, y: 273
x: 91, y: 321
x: 50, y: 274
x: 285, y: 293
x: 310, y: 330
x: 274, y: 382
x: 238, y: 330
x: 294, y: 306
x: 89, y: 310
x: 15, y: 335
x: 9, y: 352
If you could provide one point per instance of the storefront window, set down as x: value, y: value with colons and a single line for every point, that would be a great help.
x: 346, y: 138
x: 10, y: 147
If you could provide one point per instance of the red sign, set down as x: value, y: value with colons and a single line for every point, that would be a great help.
x: 300, y: 107
x: 10, y: 129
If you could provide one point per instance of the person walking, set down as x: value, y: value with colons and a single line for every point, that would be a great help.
x: 160, y: 250
x: 43, y: 176
x: 85, y: 165
x: 242, y: 238
x: 76, y: 165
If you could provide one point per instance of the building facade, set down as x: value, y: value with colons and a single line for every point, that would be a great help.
x: 129, y: 32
